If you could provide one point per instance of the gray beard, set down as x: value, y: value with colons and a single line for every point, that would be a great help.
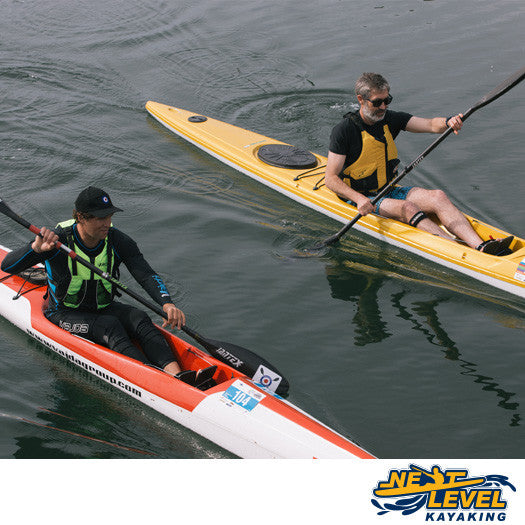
x: 372, y: 117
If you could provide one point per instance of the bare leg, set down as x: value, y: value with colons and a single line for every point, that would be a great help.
x: 172, y: 368
x: 436, y: 202
x: 405, y: 210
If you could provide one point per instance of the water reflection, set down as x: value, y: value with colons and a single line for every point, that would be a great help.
x: 80, y: 423
x: 362, y: 289
x: 86, y: 418
x: 435, y: 334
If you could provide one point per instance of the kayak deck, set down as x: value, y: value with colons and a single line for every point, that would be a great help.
x: 240, y: 149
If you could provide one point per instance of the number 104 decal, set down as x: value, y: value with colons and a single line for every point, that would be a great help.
x: 242, y: 395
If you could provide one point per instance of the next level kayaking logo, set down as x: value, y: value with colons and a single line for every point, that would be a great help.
x: 447, y: 495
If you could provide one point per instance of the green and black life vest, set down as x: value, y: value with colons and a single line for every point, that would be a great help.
x: 86, y: 288
x: 377, y: 163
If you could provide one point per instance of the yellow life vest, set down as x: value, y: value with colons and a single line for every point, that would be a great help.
x: 83, y: 279
x: 376, y: 165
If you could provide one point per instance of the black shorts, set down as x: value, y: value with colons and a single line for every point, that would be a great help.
x: 115, y: 327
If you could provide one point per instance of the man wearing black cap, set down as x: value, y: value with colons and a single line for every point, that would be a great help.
x: 81, y: 302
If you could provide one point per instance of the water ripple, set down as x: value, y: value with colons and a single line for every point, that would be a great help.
x: 120, y: 18
x: 301, y: 117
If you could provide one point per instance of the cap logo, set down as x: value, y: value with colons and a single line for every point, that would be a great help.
x: 95, y: 202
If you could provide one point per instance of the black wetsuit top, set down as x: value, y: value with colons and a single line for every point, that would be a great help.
x: 125, y: 250
x: 115, y: 325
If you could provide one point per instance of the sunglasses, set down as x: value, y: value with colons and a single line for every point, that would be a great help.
x: 378, y: 101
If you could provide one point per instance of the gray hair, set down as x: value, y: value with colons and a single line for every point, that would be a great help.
x: 369, y: 82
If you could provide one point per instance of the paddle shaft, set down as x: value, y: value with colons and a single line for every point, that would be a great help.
x: 240, y: 358
x: 497, y: 92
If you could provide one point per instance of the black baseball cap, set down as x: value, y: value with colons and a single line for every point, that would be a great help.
x: 96, y: 202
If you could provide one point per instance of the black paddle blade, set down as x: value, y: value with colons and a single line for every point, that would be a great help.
x: 337, y: 236
x: 245, y: 361
x: 8, y: 212
x: 253, y: 365
x: 326, y: 243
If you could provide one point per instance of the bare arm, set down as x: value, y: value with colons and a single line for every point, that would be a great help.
x: 434, y: 125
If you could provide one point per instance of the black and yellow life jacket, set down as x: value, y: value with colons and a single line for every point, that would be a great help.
x: 377, y: 163
x: 85, y: 287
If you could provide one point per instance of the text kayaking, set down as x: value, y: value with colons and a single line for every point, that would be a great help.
x: 447, y: 495
x: 87, y: 366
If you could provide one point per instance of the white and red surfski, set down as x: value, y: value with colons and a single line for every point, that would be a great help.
x: 236, y: 412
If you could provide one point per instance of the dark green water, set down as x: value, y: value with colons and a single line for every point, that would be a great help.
x: 407, y: 358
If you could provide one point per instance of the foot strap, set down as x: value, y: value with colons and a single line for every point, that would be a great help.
x: 204, y: 375
x: 197, y: 379
x: 497, y: 247
x: 417, y: 218
x: 187, y: 376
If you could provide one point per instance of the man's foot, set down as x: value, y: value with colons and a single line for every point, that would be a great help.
x: 496, y: 247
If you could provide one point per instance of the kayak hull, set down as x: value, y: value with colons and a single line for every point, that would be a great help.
x: 236, y: 414
x: 239, y: 149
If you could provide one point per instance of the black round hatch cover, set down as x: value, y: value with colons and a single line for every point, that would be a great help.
x: 197, y: 118
x: 284, y: 156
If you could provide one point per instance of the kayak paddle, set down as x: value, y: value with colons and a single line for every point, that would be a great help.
x: 497, y: 92
x: 242, y: 359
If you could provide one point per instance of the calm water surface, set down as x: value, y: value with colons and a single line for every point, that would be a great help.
x: 408, y: 359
